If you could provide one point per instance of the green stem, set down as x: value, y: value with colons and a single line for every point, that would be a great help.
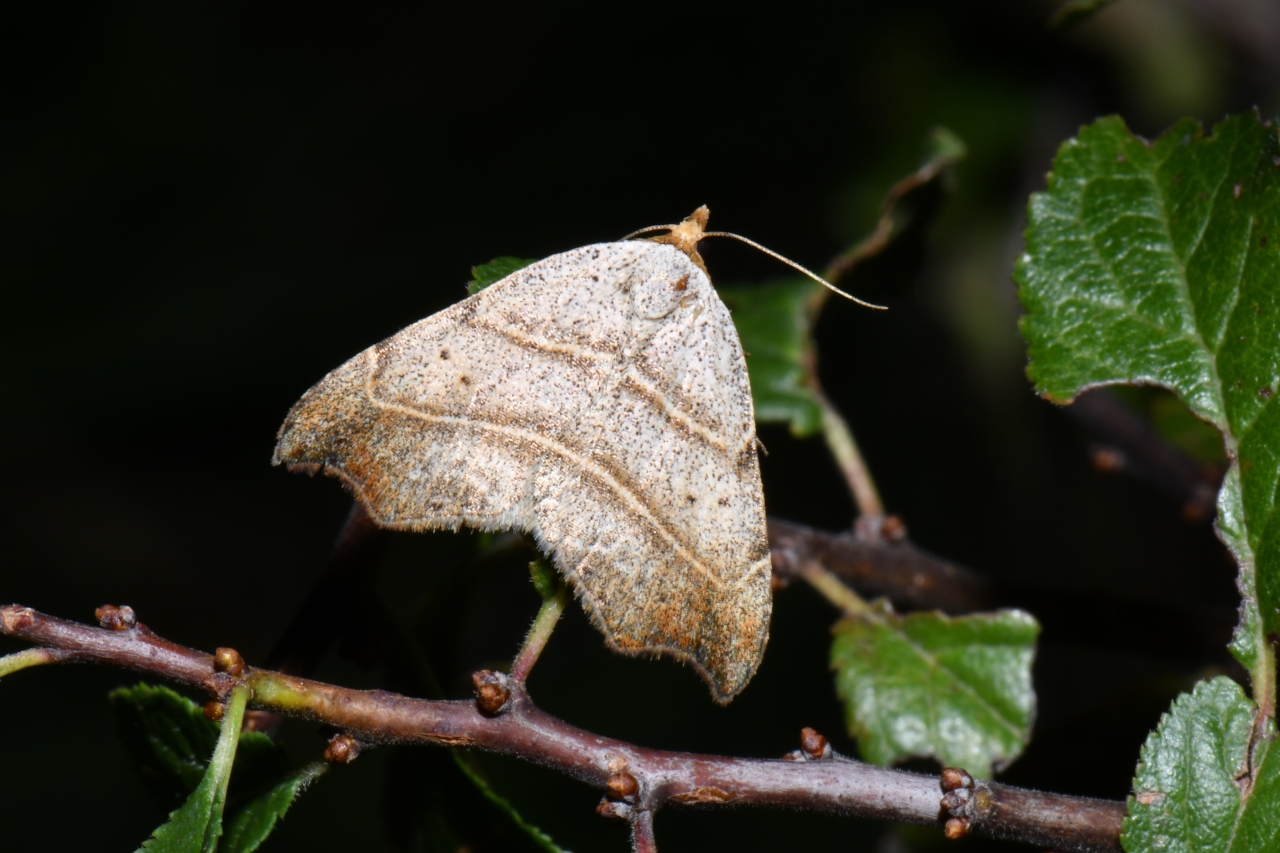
x: 543, y: 624
x: 835, y: 430
x: 833, y: 589
x: 224, y: 757
x: 844, y: 448
x: 1263, y: 686
x: 229, y: 735
x: 946, y: 150
x: 23, y: 659
x: 1264, y: 680
x: 279, y: 692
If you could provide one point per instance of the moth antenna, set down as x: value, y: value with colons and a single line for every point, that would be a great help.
x: 635, y: 234
x: 813, y: 275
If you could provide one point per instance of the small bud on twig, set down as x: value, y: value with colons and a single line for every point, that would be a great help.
x: 622, y: 787
x: 880, y: 528
x: 15, y: 618
x: 228, y: 661
x: 213, y: 710
x: 1107, y: 459
x: 614, y: 810
x: 894, y: 529
x: 258, y: 720
x: 956, y: 799
x: 954, y: 777
x: 493, y: 692
x: 342, y: 749
x: 956, y: 828
x: 966, y: 802
x: 814, y: 745
x: 116, y: 618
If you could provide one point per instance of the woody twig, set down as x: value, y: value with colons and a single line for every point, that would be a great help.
x: 637, y: 781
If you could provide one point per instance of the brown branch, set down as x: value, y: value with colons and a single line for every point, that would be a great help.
x: 642, y: 839
x: 637, y: 781
x: 907, y: 575
x: 1134, y: 446
x: 911, y: 578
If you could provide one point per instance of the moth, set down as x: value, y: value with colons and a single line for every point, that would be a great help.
x: 597, y: 400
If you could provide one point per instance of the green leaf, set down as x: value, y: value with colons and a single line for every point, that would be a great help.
x: 774, y: 322
x: 1076, y: 11
x: 1191, y: 791
x: 253, y: 820
x: 195, y: 827
x: 168, y: 738
x: 170, y: 741
x: 1157, y: 263
x: 958, y: 689
x: 496, y: 270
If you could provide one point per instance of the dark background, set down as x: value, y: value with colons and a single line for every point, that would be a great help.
x: 207, y: 206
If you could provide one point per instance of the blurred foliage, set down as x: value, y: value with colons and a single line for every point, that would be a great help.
x: 775, y: 322
x: 1178, y: 424
x: 250, y: 824
x: 168, y: 738
x: 1077, y: 11
x: 495, y: 270
x: 519, y: 831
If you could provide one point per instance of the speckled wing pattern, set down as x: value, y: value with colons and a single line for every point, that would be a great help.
x: 598, y: 400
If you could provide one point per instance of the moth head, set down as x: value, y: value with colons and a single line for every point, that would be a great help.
x: 686, y: 235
